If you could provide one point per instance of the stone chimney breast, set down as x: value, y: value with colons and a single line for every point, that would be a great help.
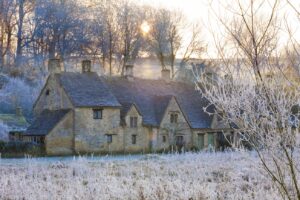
x: 86, y: 66
x: 54, y: 66
x: 165, y: 74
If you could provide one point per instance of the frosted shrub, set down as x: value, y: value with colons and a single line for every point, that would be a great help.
x: 18, y: 93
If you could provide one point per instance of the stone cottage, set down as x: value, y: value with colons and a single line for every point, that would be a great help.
x: 87, y: 113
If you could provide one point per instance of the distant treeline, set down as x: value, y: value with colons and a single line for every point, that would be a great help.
x: 112, y: 33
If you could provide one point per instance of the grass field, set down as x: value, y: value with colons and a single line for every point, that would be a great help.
x: 231, y: 175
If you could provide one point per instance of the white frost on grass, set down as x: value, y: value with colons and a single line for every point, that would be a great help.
x: 231, y: 175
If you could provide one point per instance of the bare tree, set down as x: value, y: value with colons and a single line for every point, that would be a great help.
x: 167, y: 36
x: 130, y: 18
x: 255, y: 98
x: 7, y: 25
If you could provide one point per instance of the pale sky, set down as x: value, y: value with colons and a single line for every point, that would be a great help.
x: 201, y: 11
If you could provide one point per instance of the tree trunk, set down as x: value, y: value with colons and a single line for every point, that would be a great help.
x: 19, y: 34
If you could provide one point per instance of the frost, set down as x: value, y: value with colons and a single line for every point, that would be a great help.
x: 230, y: 175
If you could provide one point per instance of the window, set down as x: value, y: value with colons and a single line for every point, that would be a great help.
x: 47, y: 92
x: 164, y: 138
x: 97, y: 113
x: 133, y: 122
x: 179, y: 141
x: 109, y: 138
x: 173, y: 118
x: 133, y: 139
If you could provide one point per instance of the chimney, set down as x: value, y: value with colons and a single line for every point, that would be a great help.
x: 129, y: 71
x: 54, y: 66
x: 19, y: 112
x: 165, y: 74
x: 86, y: 66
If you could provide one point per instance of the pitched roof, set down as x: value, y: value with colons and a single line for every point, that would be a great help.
x: 150, y: 97
x: 45, y: 122
x: 86, y: 90
x: 144, y: 92
x: 160, y: 105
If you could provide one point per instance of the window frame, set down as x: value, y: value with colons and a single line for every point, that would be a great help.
x: 109, y: 138
x: 133, y: 139
x: 133, y: 121
x: 47, y: 93
x: 164, y: 139
x: 96, y: 112
x: 174, y: 118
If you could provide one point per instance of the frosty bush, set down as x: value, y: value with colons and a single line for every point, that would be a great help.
x: 18, y: 93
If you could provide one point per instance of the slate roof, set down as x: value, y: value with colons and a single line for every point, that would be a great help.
x: 160, y: 105
x: 87, y: 90
x: 145, y: 94
x: 151, y: 98
x: 45, y: 122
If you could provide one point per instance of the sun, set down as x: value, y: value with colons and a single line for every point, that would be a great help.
x: 145, y: 27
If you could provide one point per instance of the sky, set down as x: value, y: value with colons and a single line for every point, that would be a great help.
x: 204, y: 12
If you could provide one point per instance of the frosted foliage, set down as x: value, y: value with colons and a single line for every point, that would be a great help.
x: 3, y: 131
x: 18, y: 93
x: 186, y: 176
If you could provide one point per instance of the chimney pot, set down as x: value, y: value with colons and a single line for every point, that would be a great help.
x: 54, y: 66
x: 165, y: 74
x: 86, y: 66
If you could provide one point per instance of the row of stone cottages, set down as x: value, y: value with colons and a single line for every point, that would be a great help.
x: 87, y: 113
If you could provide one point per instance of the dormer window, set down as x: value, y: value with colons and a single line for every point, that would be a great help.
x: 47, y: 92
x: 133, y: 122
x: 97, y: 113
x: 174, y: 118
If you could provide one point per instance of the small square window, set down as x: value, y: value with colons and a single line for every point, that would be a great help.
x: 109, y: 138
x: 97, y: 113
x: 174, y: 118
x: 133, y: 139
x: 47, y: 92
x: 133, y: 122
x: 164, y: 138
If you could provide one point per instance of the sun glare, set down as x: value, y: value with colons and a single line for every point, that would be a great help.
x: 145, y: 27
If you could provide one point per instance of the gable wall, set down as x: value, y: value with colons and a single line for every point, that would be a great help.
x: 172, y: 130
x: 90, y: 134
x: 60, y: 140
x: 142, y: 134
x: 57, y: 99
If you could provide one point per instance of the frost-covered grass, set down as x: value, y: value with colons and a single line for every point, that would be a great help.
x: 231, y: 175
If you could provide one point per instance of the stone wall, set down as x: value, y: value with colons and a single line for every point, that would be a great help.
x: 142, y: 134
x: 52, y: 97
x: 60, y: 140
x: 173, y: 130
x: 91, y: 134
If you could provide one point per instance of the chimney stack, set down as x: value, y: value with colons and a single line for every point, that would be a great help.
x: 19, y: 112
x: 165, y: 74
x: 54, y: 66
x: 86, y: 66
x: 129, y: 71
